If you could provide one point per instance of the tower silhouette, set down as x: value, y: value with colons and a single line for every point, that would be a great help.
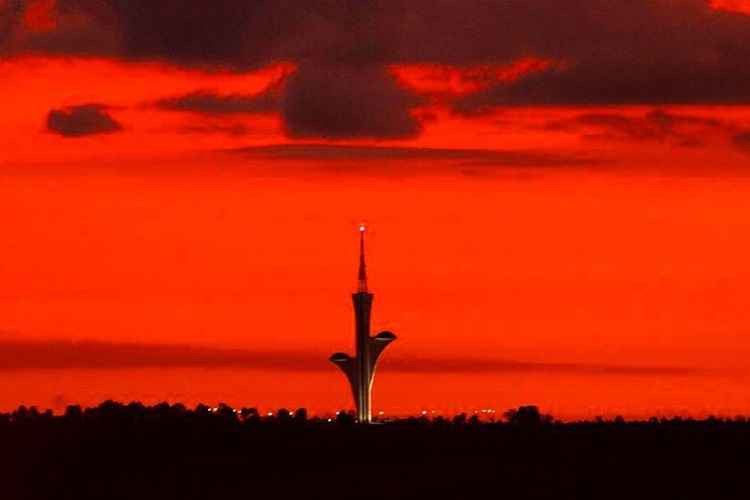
x: 360, y: 369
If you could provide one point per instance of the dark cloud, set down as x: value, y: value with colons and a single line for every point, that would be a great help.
x: 606, y: 52
x: 11, y: 12
x: 655, y: 126
x: 478, y: 157
x: 636, y: 52
x: 341, y: 102
x: 334, y: 102
x: 60, y: 355
x: 601, y: 83
x: 245, y: 34
x: 82, y: 120
x: 228, y: 34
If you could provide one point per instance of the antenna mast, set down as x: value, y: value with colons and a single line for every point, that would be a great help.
x: 362, y: 288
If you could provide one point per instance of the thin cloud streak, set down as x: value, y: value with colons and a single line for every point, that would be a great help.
x: 489, y: 366
x: 328, y: 152
x: 25, y: 355
x: 212, y: 103
x: 655, y: 126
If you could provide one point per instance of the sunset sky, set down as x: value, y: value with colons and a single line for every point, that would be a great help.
x: 557, y: 194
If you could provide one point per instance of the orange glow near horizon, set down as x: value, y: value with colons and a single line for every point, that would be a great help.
x: 644, y: 277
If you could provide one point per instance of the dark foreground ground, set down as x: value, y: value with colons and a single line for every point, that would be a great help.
x: 131, y: 452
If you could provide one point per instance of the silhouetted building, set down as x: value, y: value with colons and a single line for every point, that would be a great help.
x: 360, y: 369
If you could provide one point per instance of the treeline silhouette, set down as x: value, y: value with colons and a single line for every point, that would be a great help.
x: 116, y: 451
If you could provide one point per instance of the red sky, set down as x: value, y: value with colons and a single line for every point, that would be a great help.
x: 556, y: 219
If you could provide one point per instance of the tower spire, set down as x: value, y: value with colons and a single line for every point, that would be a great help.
x: 362, y: 288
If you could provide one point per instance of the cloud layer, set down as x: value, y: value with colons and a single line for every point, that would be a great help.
x: 656, y: 52
x: 654, y: 126
x: 470, y: 157
x: 59, y: 355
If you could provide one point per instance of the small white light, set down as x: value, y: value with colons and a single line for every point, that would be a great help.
x: 381, y: 413
x: 362, y: 228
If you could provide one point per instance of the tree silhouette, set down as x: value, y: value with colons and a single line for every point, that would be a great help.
x: 283, y: 416
x: 345, y: 417
x: 250, y: 415
x: 527, y: 416
x: 300, y: 415
x: 459, y: 419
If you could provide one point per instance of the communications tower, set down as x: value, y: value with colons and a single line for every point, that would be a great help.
x: 360, y: 369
